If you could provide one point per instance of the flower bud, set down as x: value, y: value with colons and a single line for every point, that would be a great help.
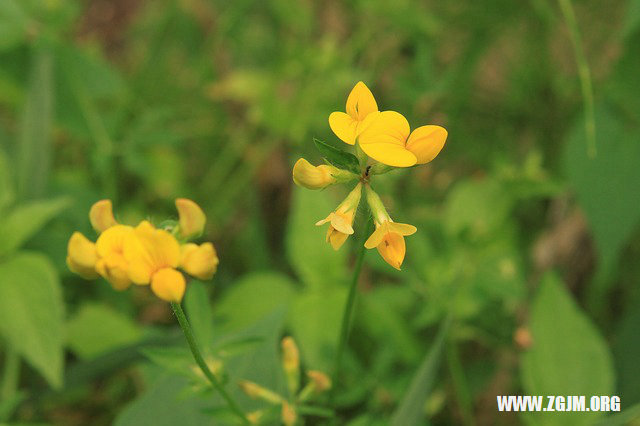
x: 291, y: 363
x: 321, y: 382
x: 191, y: 218
x: 101, y: 216
x: 314, y: 177
x: 289, y: 415
x: 200, y: 261
x: 256, y: 391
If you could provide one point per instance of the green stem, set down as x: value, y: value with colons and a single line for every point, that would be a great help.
x: 460, y: 383
x: 197, y: 355
x: 348, y: 308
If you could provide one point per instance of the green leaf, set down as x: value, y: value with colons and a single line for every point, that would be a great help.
x: 25, y: 221
x: 337, y: 157
x: 607, y: 187
x: 34, y: 148
x: 258, y: 294
x: 315, y: 321
x: 200, y: 314
x: 568, y: 355
x: 32, y: 311
x: 412, y: 407
x: 97, y: 328
x: 326, y: 266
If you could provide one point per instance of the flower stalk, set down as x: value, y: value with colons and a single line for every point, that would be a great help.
x: 197, y: 356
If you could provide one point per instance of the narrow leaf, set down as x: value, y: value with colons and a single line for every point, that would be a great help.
x: 411, y: 410
x: 337, y: 157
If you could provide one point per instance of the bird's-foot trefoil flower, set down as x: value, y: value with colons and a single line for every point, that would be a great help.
x: 309, y: 176
x: 389, y: 140
x: 341, y: 220
x: 388, y: 237
x: 360, y: 108
x: 317, y: 383
x: 143, y: 254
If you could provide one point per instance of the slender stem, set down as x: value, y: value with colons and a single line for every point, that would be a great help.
x: 460, y: 383
x: 197, y: 355
x: 348, y: 308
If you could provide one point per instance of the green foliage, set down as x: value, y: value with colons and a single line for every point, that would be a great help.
x: 337, y: 157
x: 32, y: 311
x: 568, y: 356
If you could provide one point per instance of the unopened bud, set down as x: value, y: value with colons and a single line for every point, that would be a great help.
x: 289, y: 415
x: 258, y: 392
x: 291, y: 363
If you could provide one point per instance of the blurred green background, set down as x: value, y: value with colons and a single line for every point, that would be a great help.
x: 529, y: 244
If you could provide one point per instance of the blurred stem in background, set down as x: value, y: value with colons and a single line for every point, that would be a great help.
x: 197, y: 355
x: 367, y: 225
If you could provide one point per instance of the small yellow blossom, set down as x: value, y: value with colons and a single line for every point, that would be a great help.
x: 321, y: 382
x: 289, y: 415
x: 82, y: 256
x: 389, y: 140
x: 256, y: 391
x: 255, y: 416
x: 388, y: 236
x: 200, y: 261
x: 143, y: 255
x: 341, y: 220
x: 309, y: 176
x: 101, y: 216
x: 360, y: 106
x: 191, y: 218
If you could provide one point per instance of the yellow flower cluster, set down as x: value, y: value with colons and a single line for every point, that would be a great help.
x: 144, y: 255
x: 317, y: 382
x: 386, y: 138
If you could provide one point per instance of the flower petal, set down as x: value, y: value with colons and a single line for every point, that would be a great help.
x: 191, y: 218
x: 426, y: 142
x: 376, y: 238
x: 101, y: 216
x: 392, y: 249
x: 402, y: 228
x: 82, y: 256
x: 341, y: 223
x: 344, y: 126
x: 199, y: 261
x: 149, y: 250
x: 389, y: 127
x: 168, y: 284
x: 360, y: 102
x: 390, y: 154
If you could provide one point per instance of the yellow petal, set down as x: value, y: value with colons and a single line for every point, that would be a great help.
x: 390, y: 154
x: 199, y: 261
x: 82, y: 256
x: 342, y: 223
x: 336, y: 238
x: 117, y: 275
x: 168, y: 284
x: 149, y: 250
x: 402, y: 228
x: 426, y: 142
x: 360, y: 102
x: 101, y: 216
x: 344, y: 127
x: 309, y: 176
x: 191, y: 218
x: 389, y: 127
x: 376, y: 238
x: 392, y: 249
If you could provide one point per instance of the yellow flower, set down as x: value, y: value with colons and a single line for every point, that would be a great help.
x: 388, y: 236
x: 153, y: 256
x: 341, y: 220
x: 291, y: 363
x: 111, y: 263
x: 200, y: 261
x: 82, y: 256
x: 389, y: 239
x: 101, y: 216
x: 360, y: 104
x: 191, y: 218
x: 389, y: 140
x: 289, y: 416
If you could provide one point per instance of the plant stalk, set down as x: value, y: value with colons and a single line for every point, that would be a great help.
x: 197, y: 355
